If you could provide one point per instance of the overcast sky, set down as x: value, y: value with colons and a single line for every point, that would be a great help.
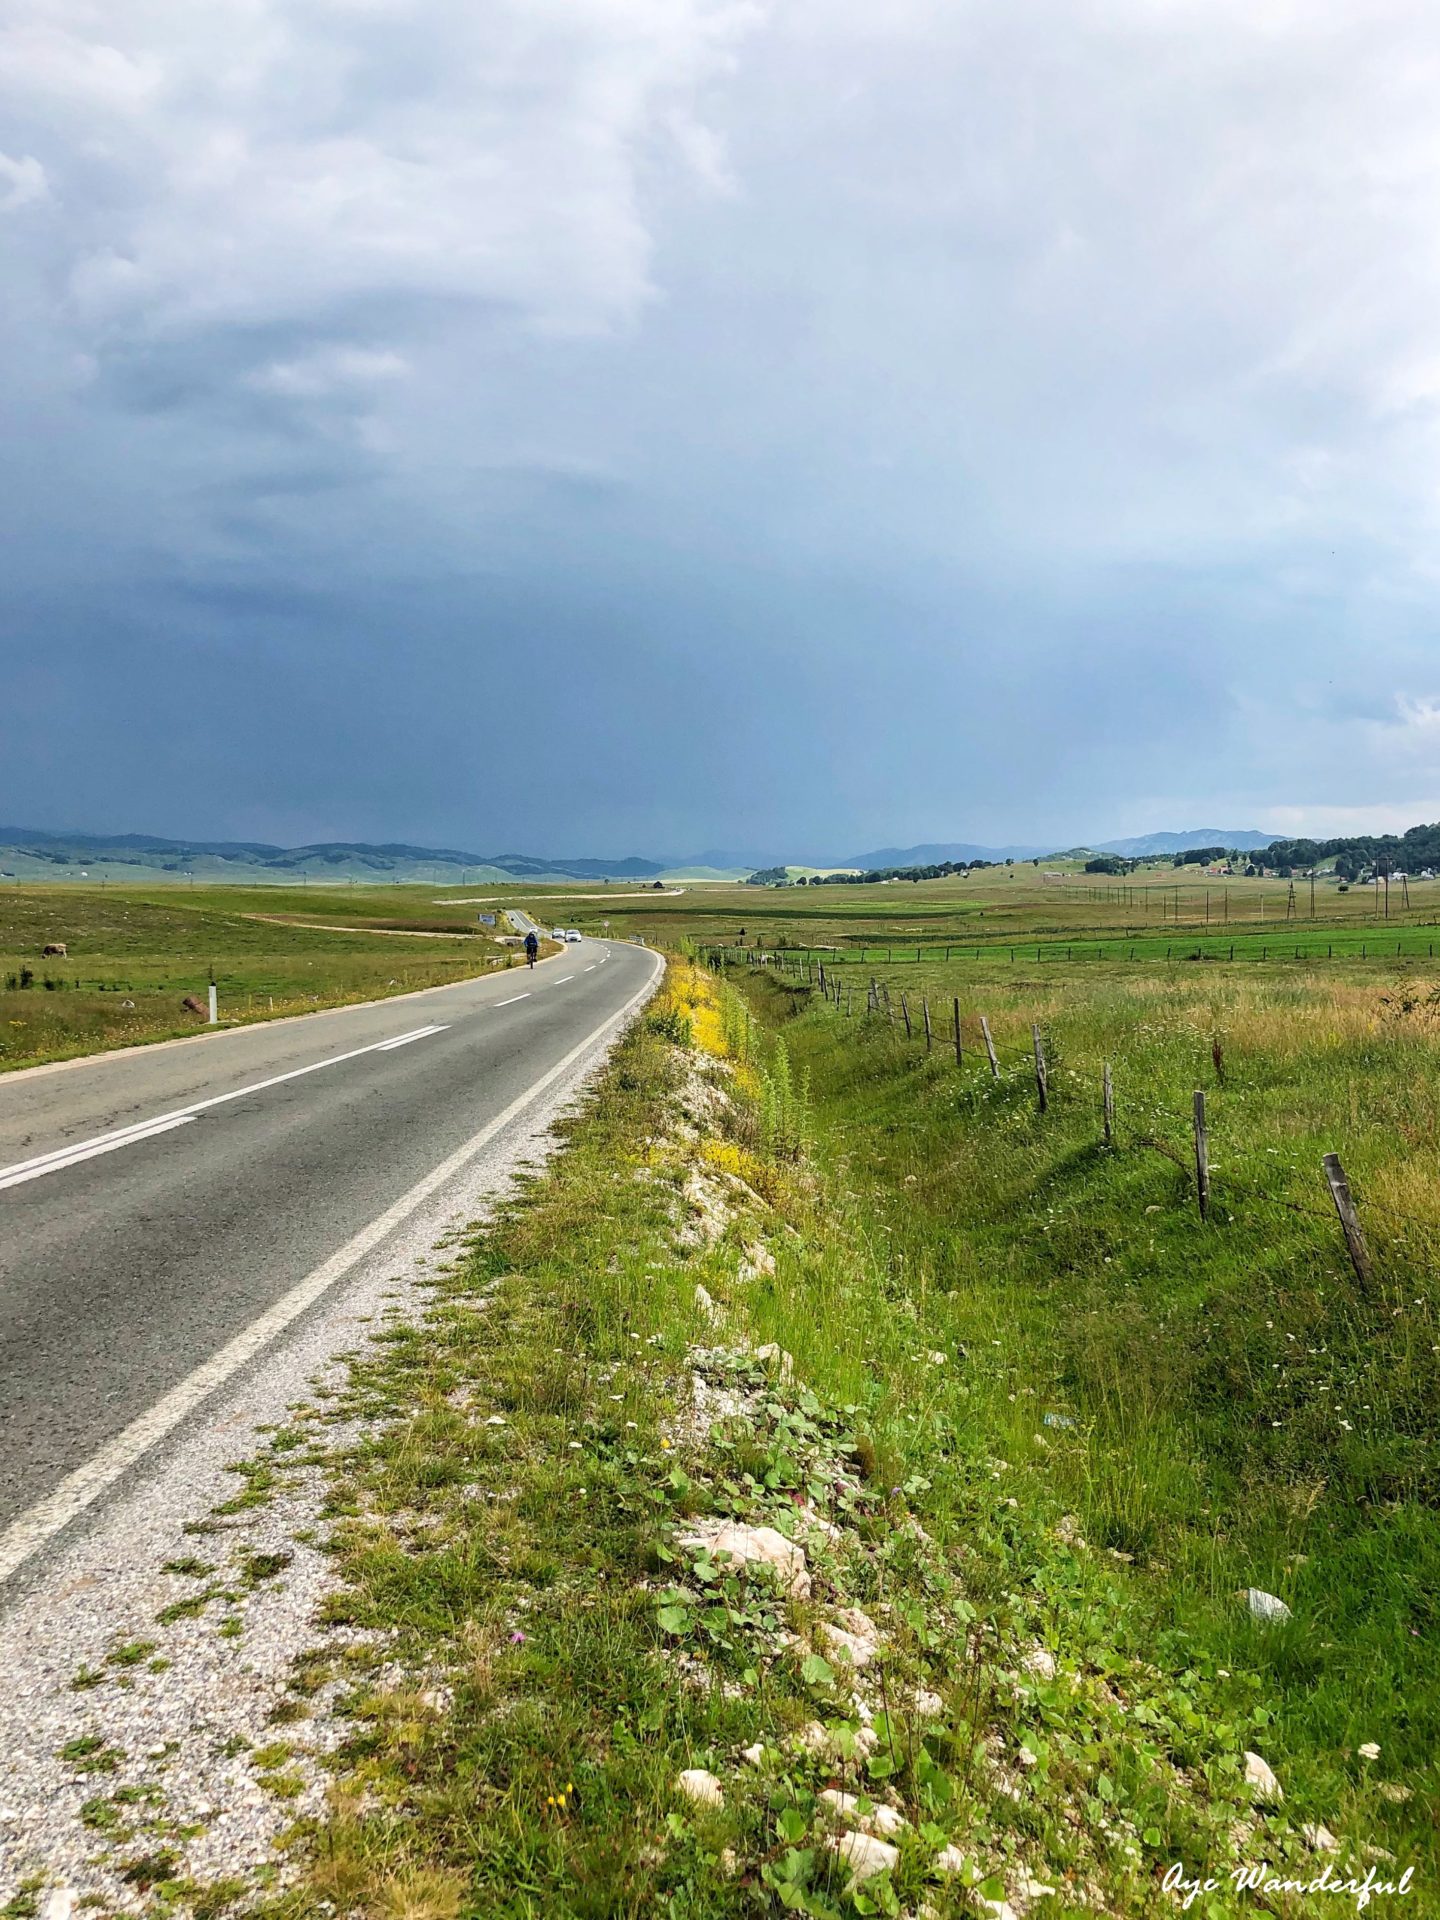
x: 596, y: 426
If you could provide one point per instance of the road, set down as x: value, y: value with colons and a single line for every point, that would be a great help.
x: 169, y: 1211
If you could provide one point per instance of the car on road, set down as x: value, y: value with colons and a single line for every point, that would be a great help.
x: 572, y: 933
x: 557, y: 933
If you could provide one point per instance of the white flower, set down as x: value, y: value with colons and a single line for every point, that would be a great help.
x: 1370, y: 1751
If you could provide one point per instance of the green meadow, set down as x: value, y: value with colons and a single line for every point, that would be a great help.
x: 133, y: 956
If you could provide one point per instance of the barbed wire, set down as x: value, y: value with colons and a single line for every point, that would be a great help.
x: 1227, y: 1184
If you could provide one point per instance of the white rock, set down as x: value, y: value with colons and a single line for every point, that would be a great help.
x: 496, y: 1420
x: 729, y: 1863
x: 929, y: 1705
x: 1392, y: 1791
x: 754, y: 1756
x: 1319, y: 1838
x: 949, y: 1860
x: 772, y: 1354
x: 880, y: 1822
x: 852, y: 1635
x: 1040, y: 1662
x: 758, y: 1260
x: 1266, y: 1606
x: 747, y: 1546
x: 864, y: 1855
x: 701, y: 1787
x: 58, y: 1904
x: 705, y: 1302
x: 1027, y: 1889
x: 1261, y: 1780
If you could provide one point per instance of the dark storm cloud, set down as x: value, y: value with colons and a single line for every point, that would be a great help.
x: 623, y: 424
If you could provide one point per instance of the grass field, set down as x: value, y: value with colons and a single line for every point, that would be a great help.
x: 1042, y: 1429
x: 1050, y: 1408
x: 133, y: 956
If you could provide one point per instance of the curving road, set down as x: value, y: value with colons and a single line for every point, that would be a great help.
x: 166, y: 1213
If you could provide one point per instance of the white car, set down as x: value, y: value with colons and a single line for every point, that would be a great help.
x: 572, y: 934
x: 557, y: 933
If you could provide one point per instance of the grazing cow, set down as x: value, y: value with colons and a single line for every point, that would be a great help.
x: 55, y: 949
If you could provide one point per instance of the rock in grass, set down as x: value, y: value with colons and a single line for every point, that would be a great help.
x: 773, y: 1356
x: 880, y: 1822
x: 1266, y: 1606
x: 1039, y: 1662
x: 864, y: 1855
x: 1319, y: 1839
x: 1260, y: 1778
x: 747, y: 1546
x: 700, y: 1787
x: 705, y: 1302
x: 852, y: 1636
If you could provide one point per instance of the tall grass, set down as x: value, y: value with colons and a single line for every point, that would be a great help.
x: 1219, y: 1404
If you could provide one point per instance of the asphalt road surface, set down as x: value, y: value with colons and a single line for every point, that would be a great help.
x: 167, y: 1212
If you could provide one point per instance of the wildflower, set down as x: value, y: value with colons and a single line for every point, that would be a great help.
x: 517, y: 1639
x: 1370, y: 1751
x: 665, y: 1443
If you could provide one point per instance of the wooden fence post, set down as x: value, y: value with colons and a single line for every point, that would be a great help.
x: 1042, y: 1078
x: 959, y: 1059
x: 989, y: 1047
x: 925, y: 1009
x: 1349, y: 1219
x: 1202, y: 1157
x: 1109, y: 1105
x: 904, y: 1008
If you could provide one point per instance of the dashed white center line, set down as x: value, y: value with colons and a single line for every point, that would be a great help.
x: 513, y: 998
x: 42, y: 1163
x: 420, y: 1033
x: 563, y: 978
x: 88, y: 1150
x: 590, y: 968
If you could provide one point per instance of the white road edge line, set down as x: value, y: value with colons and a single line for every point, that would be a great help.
x: 142, y: 1129
x: 78, y: 1490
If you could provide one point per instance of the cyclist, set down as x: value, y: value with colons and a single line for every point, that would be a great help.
x: 532, y: 949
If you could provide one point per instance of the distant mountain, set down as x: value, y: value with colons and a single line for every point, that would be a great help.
x: 33, y: 853
x: 931, y: 853
x: 1243, y: 839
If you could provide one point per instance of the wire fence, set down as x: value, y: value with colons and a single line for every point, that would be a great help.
x: 825, y: 978
x: 1414, y: 943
